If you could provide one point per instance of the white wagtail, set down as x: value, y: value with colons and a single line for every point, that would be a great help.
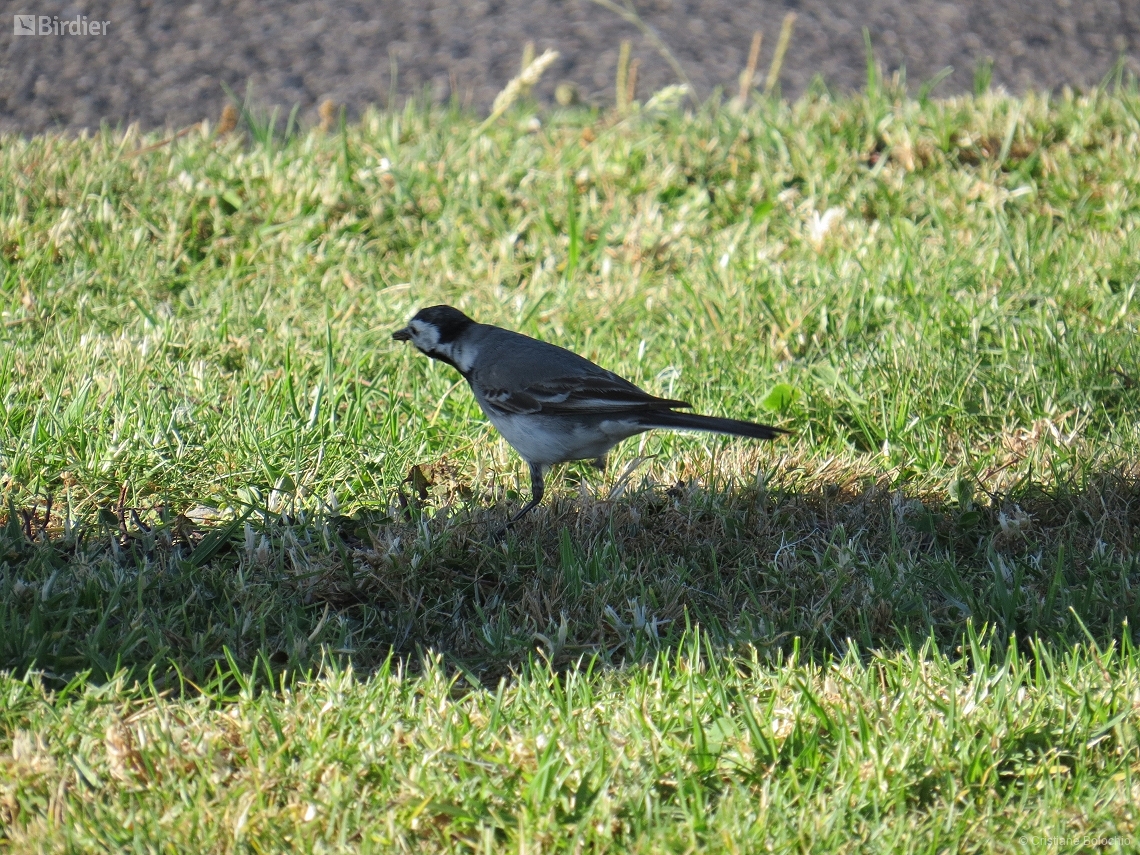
x: 550, y: 404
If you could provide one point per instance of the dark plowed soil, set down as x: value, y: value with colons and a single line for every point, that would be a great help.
x: 163, y: 64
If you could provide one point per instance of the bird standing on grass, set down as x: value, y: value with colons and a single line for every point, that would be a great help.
x: 550, y: 404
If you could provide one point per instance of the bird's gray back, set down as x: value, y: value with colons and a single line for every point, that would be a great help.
x: 511, y: 360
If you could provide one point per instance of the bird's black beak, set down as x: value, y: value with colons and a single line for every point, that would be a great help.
x: 402, y: 335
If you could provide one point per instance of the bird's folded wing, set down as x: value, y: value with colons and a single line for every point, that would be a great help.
x: 595, y: 394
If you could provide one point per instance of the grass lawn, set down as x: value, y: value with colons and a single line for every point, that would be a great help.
x: 249, y: 597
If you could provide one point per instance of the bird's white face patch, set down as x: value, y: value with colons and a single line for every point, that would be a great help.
x: 425, y: 336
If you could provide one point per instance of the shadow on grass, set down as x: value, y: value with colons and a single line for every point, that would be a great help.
x: 183, y: 599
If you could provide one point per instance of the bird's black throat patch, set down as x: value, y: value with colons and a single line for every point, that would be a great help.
x: 443, y: 357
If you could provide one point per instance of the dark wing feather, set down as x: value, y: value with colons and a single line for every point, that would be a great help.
x: 597, y: 394
x: 519, y: 402
x: 560, y: 381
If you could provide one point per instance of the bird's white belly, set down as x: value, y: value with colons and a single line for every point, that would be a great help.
x: 555, y: 439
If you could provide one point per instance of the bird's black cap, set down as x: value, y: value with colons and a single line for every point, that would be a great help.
x: 448, y: 320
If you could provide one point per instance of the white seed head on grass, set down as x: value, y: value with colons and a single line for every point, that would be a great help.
x: 526, y: 79
x: 818, y: 226
x: 668, y: 99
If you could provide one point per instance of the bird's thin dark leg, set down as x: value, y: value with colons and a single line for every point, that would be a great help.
x: 537, y: 488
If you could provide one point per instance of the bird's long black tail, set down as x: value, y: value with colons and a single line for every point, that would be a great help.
x: 712, y: 424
